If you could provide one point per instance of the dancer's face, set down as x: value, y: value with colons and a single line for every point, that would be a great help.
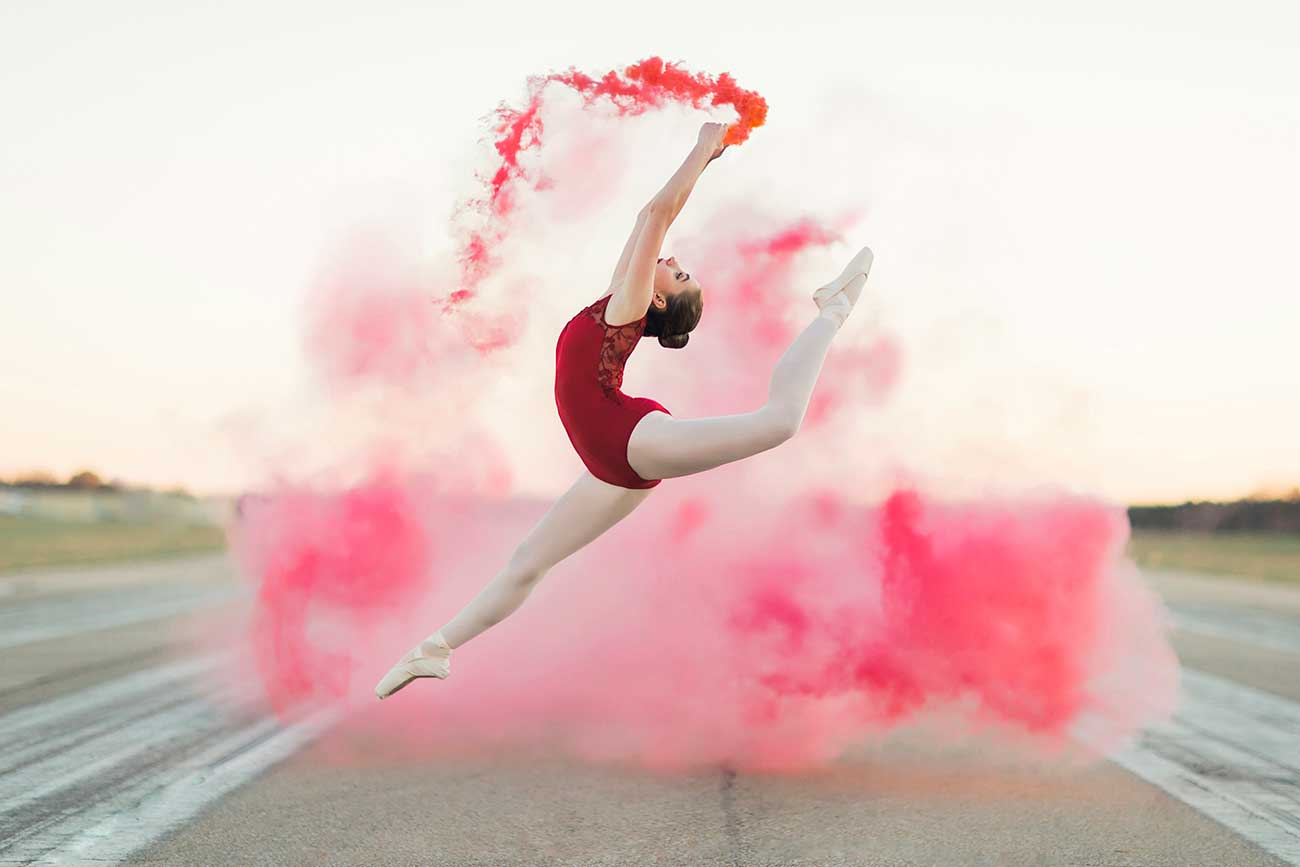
x: 672, y: 277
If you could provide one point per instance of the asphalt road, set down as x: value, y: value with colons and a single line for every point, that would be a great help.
x: 120, y: 744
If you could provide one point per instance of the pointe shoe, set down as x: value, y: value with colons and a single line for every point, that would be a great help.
x: 837, y: 308
x: 859, y: 264
x: 429, y: 658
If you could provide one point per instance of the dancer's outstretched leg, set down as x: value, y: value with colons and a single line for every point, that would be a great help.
x: 579, y: 516
x: 664, y: 447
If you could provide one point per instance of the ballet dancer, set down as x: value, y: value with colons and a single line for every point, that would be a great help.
x: 630, y: 444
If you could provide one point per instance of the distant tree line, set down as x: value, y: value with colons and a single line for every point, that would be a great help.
x: 1251, y: 515
x: 81, y: 481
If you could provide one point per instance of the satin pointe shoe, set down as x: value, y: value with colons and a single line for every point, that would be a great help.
x: 429, y: 658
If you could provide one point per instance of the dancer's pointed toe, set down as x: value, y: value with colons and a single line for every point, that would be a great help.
x: 837, y: 298
x: 429, y: 658
x: 860, y: 264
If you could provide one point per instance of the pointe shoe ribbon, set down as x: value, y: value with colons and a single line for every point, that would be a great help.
x: 837, y: 309
x: 859, y: 264
x: 429, y: 658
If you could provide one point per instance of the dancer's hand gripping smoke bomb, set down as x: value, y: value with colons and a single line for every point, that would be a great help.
x: 713, y: 138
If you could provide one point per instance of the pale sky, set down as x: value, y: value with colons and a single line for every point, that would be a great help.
x: 1096, y: 205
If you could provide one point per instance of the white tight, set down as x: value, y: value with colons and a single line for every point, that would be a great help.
x: 588, y: 508
x: 661, y: 447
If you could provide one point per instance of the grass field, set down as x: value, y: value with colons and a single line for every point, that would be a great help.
x: 31, y: 542
x: 1268, y: 556
x: 28, y: 542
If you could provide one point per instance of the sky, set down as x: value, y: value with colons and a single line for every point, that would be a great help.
x: 1084, y: 217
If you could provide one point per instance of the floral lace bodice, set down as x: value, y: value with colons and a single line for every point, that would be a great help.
x: 615, y: 347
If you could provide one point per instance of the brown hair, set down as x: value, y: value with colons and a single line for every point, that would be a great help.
x: 673, y: 324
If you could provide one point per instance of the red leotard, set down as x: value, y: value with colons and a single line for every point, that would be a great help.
x: 597, y: 415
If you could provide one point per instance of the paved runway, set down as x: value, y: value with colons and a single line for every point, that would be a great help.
x: 119, y: 744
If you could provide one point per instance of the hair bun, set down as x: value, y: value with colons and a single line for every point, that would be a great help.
x: 673, y: 341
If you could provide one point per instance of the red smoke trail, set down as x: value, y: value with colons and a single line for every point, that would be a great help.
x: 638, y: 88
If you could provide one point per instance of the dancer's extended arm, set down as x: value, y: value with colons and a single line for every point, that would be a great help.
x: 670, y: 200
x: 620, y: 270
x: 633, y: 281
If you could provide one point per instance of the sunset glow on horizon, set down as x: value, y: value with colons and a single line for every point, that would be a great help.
x: 1089, y: 276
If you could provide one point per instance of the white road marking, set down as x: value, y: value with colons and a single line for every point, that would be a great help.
x: 41, y: 621
x: 1244, y: 626
x: 113, y: 830
x: 93, y: 776
x: 1233, y: 753
x: 45, y: 771
x: 38, y: 721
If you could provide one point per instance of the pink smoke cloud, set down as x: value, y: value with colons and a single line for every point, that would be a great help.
x: 713, y: 627
x: 761, y: 619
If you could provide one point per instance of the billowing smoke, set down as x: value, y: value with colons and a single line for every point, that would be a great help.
x: 768, y: 613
